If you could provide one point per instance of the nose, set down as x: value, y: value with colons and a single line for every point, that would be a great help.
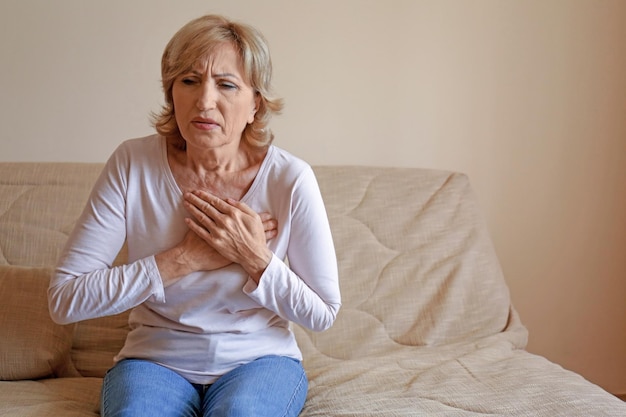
x: 207, y: 97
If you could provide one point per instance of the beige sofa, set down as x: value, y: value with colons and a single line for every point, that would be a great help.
x: 426, y: 328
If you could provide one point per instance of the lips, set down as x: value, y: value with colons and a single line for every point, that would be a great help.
x: 204, y: 124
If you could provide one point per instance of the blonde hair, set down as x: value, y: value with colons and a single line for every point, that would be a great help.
x: 194, y: 42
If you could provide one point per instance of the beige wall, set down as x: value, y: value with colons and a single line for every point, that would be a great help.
x: 527, y: 97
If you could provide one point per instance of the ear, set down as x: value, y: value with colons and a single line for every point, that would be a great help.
x: 257, y: 103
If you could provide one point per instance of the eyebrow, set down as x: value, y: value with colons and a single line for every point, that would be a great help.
x: 226, y: 75
x: 219, y: 75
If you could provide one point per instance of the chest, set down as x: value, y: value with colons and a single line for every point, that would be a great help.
x: 227, y: 179
x: 233, y: 186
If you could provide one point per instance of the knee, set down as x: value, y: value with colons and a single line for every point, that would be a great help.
x: 140, y: 388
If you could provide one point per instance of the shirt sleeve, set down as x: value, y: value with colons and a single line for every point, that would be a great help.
x: 306, y: 291
x: 84, y: 284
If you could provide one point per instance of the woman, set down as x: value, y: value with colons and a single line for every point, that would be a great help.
x: 210, y: 293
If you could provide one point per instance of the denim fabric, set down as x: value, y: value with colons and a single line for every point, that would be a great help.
x: 271, y: 386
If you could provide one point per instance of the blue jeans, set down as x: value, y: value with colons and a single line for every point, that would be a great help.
x: 272, y: 386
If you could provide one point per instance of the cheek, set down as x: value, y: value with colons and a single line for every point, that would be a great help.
x: 176, y: 99
x: 183, y: 98
x: 179, y: 111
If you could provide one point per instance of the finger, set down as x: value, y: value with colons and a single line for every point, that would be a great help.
x: 199, y: 208
x: 270, y: 234
x: 194, y: 199
x: 242, y: 206
x: 206, y: 207
x: 201, y: 216
x: 203, y: 233
x: 270, y: 224
x: 207, y: 201
x: 265, y: 216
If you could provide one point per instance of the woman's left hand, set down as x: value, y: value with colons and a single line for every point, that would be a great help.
x: 232, y: 228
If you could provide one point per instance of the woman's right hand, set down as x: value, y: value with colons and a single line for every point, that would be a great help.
x: 194, y: 254
x: 198, y: 255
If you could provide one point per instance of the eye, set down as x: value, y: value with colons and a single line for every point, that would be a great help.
x: 228, y: 85
x: 189, y: 81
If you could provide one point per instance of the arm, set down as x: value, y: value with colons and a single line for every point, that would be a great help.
x: 84, y: 284
x: 307, y: 290
x: 195, y: 254
x: 232, y: 228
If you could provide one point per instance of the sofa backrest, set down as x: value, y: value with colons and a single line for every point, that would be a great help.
x: 416, y: 264
x: 39, y: 206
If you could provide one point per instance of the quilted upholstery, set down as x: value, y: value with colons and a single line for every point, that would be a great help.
x: 38, y: 208
x: 416, y: 262
x: 26, y: 322
x: 426, y: 327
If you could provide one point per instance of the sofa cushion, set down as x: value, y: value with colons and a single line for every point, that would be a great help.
x: 416, y: 263
x: 53, y: 397
x: 31, y: 344
x: 97, y: 341
x: 39, y: 205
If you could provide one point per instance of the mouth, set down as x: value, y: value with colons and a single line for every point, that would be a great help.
x: 204, y: 124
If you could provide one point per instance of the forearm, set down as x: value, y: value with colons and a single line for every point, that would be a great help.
x: 285, y: 293
x: 172, y: 265
x: 73, y: 296
x: 255, y: 263
x: 189, y: 255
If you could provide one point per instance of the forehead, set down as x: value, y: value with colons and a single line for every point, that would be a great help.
x: 224, y: 57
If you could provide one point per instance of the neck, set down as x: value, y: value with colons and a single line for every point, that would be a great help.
x: 223, y: 172
x: 221, y: 161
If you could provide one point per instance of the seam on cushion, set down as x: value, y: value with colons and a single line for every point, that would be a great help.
x: 18, y: 197
x: 350, y: 213
x: 365, y: 192
x: 434, y: 195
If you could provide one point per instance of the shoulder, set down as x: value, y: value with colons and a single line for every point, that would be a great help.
x: 289, y: 171
x: 134, y: 156
x: 137, y: 151
x: 286, y: 163
x: 145, y: 146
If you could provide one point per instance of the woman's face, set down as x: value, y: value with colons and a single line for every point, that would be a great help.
x: 213, y: 102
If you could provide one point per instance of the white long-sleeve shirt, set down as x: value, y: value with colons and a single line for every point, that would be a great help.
x: 209, y: 322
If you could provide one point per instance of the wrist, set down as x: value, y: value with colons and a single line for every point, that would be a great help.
x: 257, y: 266
x: 172, y: 265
